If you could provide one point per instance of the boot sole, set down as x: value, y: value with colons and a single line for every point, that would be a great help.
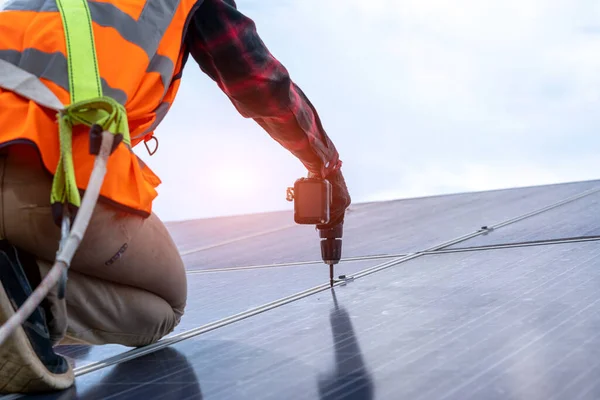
x: 21, y: 371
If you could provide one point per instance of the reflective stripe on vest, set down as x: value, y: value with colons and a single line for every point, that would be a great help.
x: 30, y: 87
x: 27, y: 85
x: 52, y: 67
x: 146, y: 33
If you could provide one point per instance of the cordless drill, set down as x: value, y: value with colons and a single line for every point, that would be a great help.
x: 312, y: 202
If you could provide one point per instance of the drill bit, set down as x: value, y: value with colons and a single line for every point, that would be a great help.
x: 331, y: 275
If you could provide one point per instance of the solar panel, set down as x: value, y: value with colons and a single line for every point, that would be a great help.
x: 573, y: 220
x: 445, y: 324
x: 509, y: 323
x: 194, y: 234
x: 214, y: 296
x: 389, y: 227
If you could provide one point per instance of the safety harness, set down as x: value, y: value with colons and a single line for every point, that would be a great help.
x: 88, y: 105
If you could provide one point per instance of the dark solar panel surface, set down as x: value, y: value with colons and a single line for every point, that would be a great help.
x: 194, y: 234
x: 388, y: 227
x: 214, y: 296
x: 482, y: 324
x: 511, y: 323
x: 580, y: 218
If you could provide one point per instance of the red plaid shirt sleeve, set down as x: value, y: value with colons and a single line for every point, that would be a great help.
x: 226, y: 46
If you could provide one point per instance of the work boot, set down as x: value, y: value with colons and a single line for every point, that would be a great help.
x: 28, y: 364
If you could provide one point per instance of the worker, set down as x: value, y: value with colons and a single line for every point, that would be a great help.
x: 127, y: 281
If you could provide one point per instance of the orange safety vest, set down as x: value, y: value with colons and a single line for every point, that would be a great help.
x: 140, y: 59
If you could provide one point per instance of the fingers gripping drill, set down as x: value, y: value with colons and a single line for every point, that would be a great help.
x: 312, y: 199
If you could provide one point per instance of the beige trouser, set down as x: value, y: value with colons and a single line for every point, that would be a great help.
x: 127, y: 283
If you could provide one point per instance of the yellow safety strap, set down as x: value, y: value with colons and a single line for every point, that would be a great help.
x: 88, y: 105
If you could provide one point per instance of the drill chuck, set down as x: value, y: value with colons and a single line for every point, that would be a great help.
x: 331, y: 244
x: 331, y: 250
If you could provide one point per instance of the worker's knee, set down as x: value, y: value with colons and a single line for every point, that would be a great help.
x: 102, y: 312
x: 138, y: 327
x: 152, y: 326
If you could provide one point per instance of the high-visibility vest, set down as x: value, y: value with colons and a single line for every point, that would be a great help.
x: 140, y: 60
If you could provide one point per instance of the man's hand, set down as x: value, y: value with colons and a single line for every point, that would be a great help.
x: 340, y: 202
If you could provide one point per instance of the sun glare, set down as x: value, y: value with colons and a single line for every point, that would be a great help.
x: 229, y: 181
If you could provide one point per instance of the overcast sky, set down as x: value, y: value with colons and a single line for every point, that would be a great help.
x: 421, y: 97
